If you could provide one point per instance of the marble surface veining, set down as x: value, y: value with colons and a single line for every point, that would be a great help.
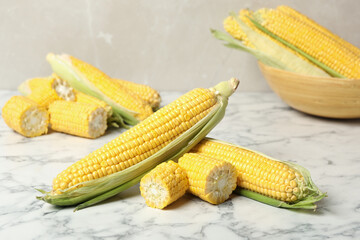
x: 260, y: 121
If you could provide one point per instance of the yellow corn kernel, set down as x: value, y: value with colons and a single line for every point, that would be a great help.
x: 146, y: 93
x: 210, y: 179
x: 255, y: 172
x: 164, y: 185
x: 80, y: 119
x: 142, y: 140
x: 25, y: 116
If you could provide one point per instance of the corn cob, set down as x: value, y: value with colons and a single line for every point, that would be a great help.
x: 288, y: 183
x: 84, y: 98
x: 310, y: 41
x: 79, y: 119
x: 263, y: 47
x: 211, y: 179
x: 25, y: 116
x: 295, y: 14
x: 166, y: 134
x: 46, y: 90
x: 165, y: 184
x: 90, y: 80
x: 146, y: 93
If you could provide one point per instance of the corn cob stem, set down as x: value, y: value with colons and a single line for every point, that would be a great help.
x: 88, y: 190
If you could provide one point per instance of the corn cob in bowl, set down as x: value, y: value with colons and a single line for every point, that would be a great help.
x: 265, y: 179
x: 119, y: 164
x: 310, y: 68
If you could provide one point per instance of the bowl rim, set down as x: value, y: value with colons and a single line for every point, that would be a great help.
x: 269, y: 68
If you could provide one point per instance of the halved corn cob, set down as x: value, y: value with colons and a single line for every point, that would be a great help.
x: 166, y: 134
x: 286, y: 182
x: 146, y: 93
x: 25, y: 116
x: 263, y: 47
x: 322, y: 49
x: 79, y: 119
x: 211, y: 179
x: 46, y: 90
x: 90, y: 80
x: 163, y: 185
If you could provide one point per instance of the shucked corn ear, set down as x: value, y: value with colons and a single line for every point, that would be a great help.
x: 163, y: 185
x: 211, y: 179
x: 47, y: 90
x: 25, y: 116
x: 79, y: 119
x: 146, y: 93
x: 278, y: 183
x: 302, y: 35
x: 248, y: 38
x: 90, y: 80
x: 166, y: 134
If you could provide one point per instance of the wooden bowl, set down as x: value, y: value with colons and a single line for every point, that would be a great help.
x: 320, y: 96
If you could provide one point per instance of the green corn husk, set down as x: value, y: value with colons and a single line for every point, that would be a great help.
x: 97, y: 190
x: 61, y: 65
x: 257, y: 20
x: 269, y: 52
x: 309, y: 192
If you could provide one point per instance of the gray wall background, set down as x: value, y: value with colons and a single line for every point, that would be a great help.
x: 163, y: 43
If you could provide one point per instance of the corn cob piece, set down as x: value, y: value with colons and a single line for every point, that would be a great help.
x: 84, y: 98
x: 311, y: 41
x: 146, y: 93
x: 90, y: 80
x: 286, y: 182
x: 25, y: 116
x: 119, y: 164
x: 165, y: 184
x: 211, y: 179
x: 46, y: 90
x: 79, y: 119
x: 263, y: 47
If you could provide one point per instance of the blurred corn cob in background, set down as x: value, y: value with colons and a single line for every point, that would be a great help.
x: 47, y: 90
x: 25, y: 116
x: 146, y: 93
x: 278, y: 183
x: 288, y: 40
x: 166, y: 134
x: 90, y: 80
x: 163, y: 185
x: 213, y: 180
x: 80, y: 119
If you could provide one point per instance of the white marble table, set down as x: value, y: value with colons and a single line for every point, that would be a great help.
x: 330, y: 149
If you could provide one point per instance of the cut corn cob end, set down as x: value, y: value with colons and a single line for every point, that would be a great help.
x: 78, y: 119
x: 210, y: 179
x: 25, y: 116
x: 62, y: 88
x: 165, y: 184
